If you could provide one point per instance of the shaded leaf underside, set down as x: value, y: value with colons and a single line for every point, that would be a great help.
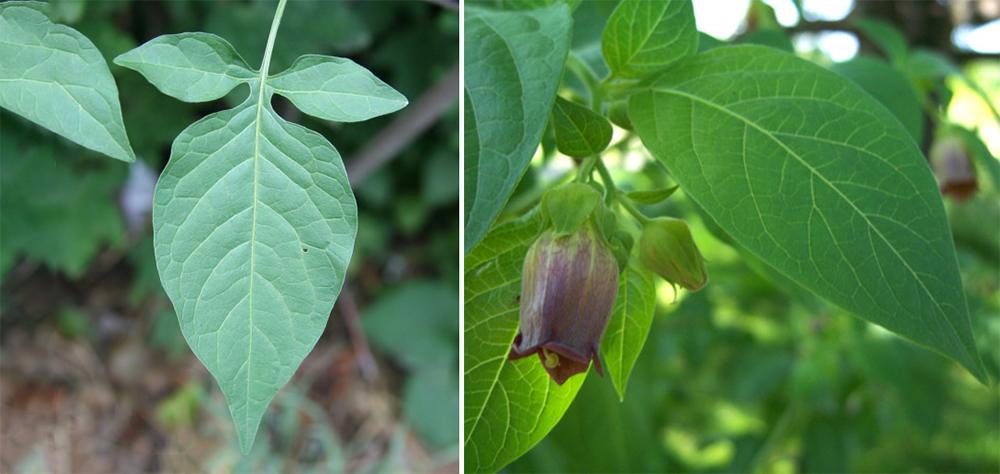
x: 254, y: 219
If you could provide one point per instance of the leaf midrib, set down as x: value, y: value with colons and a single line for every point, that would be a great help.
x: 815, y: 172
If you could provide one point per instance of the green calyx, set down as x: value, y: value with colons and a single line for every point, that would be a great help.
x: 667, y: 248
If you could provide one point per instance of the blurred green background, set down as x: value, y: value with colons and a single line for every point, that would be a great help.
x: 754, y: 375
x: 96, y: 376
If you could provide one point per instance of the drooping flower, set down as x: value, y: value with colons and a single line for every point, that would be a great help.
x: 667, y: 248
x: 568, y: 290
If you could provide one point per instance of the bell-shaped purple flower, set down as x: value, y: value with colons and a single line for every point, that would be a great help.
x: 568, y: 290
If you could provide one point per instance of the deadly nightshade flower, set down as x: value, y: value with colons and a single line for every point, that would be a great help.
x: 568, y: 290
x: 953, y: 168
x: 667, y: 248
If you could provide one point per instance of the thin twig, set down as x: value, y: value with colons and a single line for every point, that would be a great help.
x: 349, y: 310
x: 405, y: 128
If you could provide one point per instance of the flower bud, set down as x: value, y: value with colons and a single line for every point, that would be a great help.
x: 568, y: 289
x: 667, y: 248
x: 953, y: 168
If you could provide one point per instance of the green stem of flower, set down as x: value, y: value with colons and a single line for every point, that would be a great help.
x: 615, y: 195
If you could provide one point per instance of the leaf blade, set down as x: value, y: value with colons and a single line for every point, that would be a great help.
x: 336, y: 89
x: 850, y: 173
x: 192, y: 67
x: 55, y: 77
x: 512, y: 69
x: 643, y: 37
x: 629, y: 326
x: 580, y: 132
x: 265, y: 267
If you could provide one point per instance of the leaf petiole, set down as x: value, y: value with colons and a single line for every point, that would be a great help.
x: 615, y: 195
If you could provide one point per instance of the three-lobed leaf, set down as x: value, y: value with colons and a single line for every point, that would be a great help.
x: 54, y: 76
x: 254, y: 220
x: 513, y: 64
x: 643, y: 37
x: 579, y: 131
x: 817, y: 179
x: 509, y: 405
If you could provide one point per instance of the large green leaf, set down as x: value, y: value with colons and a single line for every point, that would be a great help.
x: 810, y: 174
x: 643, y: 37
x: 890, y: 87
x: 629, y: 325
x: 58, y: 204
x: 254, y: 224
x: 513, y: 63
x: 193, y: 67
x: 509, y: 405
x: 54, y: 76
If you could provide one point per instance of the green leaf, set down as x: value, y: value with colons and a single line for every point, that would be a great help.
x: 417, y: 323
x: 888, y: 86
x: 513, y: 64
x: 254, y: 224
x: 652, y: 196
x: 59, y: 205
x: 769, y: 37
x: 644, y: 37
x: 807, y: 172
x: 886, y: 37
x: 54, y: 76
x: 580, y: 132
x: 509, y: 405
x: 193, y: 67
x: 924, y: 64
x: 532, y: 4
x: 336, y: 89
x: 629, y: 325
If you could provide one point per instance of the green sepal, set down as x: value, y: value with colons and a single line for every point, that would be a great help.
x: 619, y: 240
x: 568, y: 206
x: 651, y: 196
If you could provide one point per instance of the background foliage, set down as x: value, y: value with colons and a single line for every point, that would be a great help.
x: 96, y: 375
x: 753, y: 374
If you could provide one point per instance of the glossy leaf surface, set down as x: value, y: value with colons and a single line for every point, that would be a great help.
x: 629, y: 325
x: 818, y: 180
x: 644, y: 37
x: 580, y: 132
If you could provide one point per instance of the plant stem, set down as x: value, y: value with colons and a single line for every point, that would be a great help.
x: 586, y: 168
x: 266, y: 64
x: 615, y: 195
x: 586, y: 74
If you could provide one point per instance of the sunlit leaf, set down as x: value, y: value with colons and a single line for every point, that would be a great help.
x: 643, y: 37
x: 818, y: 180
x: 509, y: 405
